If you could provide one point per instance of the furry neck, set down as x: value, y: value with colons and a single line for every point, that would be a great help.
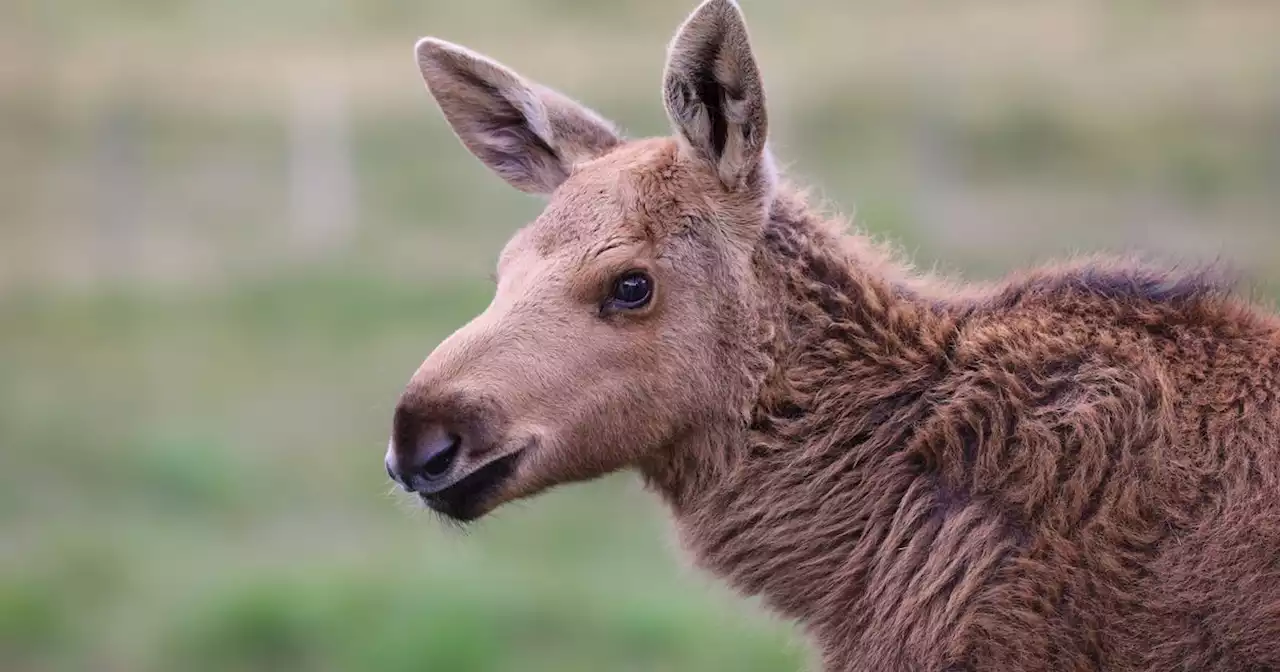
x: 843, y: 328
x: 787, y: 503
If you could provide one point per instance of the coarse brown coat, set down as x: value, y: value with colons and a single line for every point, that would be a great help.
x: 1077, y: 468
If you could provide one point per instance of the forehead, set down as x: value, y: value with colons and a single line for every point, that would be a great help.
x: 640, y: 191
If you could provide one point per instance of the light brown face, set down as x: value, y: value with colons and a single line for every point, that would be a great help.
x: 616, y: 329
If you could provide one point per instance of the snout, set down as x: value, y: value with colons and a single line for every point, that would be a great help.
x: 453, y: 452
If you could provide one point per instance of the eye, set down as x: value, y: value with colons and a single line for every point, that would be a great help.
x: 630, y: 291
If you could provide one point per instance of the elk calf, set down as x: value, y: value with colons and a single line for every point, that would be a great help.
x: 1077, y: 468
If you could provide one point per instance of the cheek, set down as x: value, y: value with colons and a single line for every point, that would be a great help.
x: 606, y: 405
x: 652, y: 383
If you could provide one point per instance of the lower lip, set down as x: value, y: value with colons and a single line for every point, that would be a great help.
x: 438, y: 499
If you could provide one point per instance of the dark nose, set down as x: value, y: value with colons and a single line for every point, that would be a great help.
x: 420, y: 462
x: 436, y: 432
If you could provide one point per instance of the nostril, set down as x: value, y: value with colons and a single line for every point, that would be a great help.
x: 441, y: 455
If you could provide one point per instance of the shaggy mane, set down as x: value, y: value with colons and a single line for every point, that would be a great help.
x: 1120, y: 280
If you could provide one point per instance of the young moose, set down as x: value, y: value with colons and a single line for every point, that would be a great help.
x: 1075, y: 469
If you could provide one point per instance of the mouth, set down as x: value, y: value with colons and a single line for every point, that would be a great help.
x: 466, y: 499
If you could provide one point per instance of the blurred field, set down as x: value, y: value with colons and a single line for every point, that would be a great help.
x: 229, y: 231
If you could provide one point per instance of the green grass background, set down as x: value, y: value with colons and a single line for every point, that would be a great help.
x: 194, y: 401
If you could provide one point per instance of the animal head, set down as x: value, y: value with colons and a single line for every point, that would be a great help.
x: 620, y: 324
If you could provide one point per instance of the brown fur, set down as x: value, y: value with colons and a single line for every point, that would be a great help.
x: 1077, y: 468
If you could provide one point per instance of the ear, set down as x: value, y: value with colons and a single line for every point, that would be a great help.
x: 713, y: 92
x: 529, y: 135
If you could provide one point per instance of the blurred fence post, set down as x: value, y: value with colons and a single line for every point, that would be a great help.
x: 321, y: 179
x: 118, y: 187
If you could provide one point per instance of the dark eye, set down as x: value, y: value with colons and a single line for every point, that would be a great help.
x: 630, y: 291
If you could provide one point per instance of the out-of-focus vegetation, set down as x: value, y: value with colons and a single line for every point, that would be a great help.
x: 229, y: 231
